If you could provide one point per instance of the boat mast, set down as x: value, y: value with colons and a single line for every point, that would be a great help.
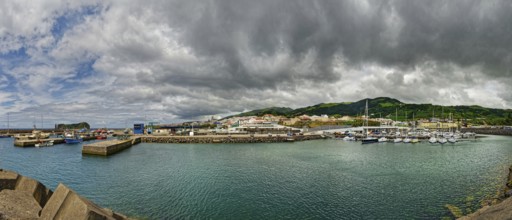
x: 366, y: 118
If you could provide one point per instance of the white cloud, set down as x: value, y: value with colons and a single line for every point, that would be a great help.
x: 177, y: 60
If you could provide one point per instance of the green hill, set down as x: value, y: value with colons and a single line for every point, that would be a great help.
x: 394, y: 109
x: 271, y: 110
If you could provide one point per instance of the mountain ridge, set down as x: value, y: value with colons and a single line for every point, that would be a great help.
x: 386, y: 107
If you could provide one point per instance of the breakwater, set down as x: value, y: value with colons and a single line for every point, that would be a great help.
x: 211, y: 139
x: 25, y: 198
x: 491, y: 131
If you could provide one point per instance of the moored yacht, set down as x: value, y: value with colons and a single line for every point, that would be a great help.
x: 366, y: 139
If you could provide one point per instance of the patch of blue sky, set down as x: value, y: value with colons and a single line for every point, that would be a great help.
x: 81, y: 71
x: 14, y: 57
x: 72, y: 18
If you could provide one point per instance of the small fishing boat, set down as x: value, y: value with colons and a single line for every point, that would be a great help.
x: 349, y: 138
x: 102, y: 136
x: 44, y: 143
x: 383, y: 139
x: 73, y: 140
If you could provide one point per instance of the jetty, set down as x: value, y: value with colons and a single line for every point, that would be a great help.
x: 33, y: 142
x: 106, y: 148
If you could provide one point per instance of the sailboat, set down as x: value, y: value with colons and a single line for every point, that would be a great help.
x: 368, y: 140
x: 397, y: 134
x: 7, y: 134
x: 414, y: 138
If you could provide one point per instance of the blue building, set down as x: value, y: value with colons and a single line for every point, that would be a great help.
x: 138, y: 128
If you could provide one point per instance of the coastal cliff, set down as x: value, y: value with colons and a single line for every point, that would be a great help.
x: 25, y: 198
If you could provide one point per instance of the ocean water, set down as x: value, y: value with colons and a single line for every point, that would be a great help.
x: 321, y: 179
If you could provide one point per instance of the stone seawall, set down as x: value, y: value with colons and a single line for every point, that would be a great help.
x: 25, y: 198
x: 226, y: 139
x: 492, y: 131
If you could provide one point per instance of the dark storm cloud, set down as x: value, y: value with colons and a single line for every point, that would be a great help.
x: 243, y: 45
x: 393, y: 33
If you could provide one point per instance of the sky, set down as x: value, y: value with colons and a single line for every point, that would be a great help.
x: 113, y: 63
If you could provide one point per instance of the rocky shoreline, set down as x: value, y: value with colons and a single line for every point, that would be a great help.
x: 501, y: 210
x: 25, y: 198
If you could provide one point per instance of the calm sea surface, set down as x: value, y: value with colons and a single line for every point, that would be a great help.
x: 322, y: 179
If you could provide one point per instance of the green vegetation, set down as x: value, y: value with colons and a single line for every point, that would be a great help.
x: 271, y: 110
x: 394, y: 109
x: 74, y: 126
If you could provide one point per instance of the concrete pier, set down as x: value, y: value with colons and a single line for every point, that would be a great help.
x: 33, y: 142
x: 106, y: 148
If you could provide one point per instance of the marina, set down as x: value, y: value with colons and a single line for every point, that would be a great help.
x: 325, y: 177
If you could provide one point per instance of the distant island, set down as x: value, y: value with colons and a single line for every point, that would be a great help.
x: 384, y: 107
x: 79, y: 125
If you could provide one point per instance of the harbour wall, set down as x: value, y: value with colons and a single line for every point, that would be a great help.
x: 491, y: 131
x: 25, y: 198
x: 212, y: 139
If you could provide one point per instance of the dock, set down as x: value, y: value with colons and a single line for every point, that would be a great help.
x: 106, y: 148
x: 33, y: 142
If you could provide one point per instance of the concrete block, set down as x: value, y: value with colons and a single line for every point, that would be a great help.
x: 18, y: 205
x: 67, y: 204
x: 8, y: 179
x: 40, y: 193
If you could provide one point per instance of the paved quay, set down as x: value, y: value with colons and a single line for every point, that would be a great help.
x: 109, y: 147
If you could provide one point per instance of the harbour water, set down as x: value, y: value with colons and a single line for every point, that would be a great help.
x: 320, y: 179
